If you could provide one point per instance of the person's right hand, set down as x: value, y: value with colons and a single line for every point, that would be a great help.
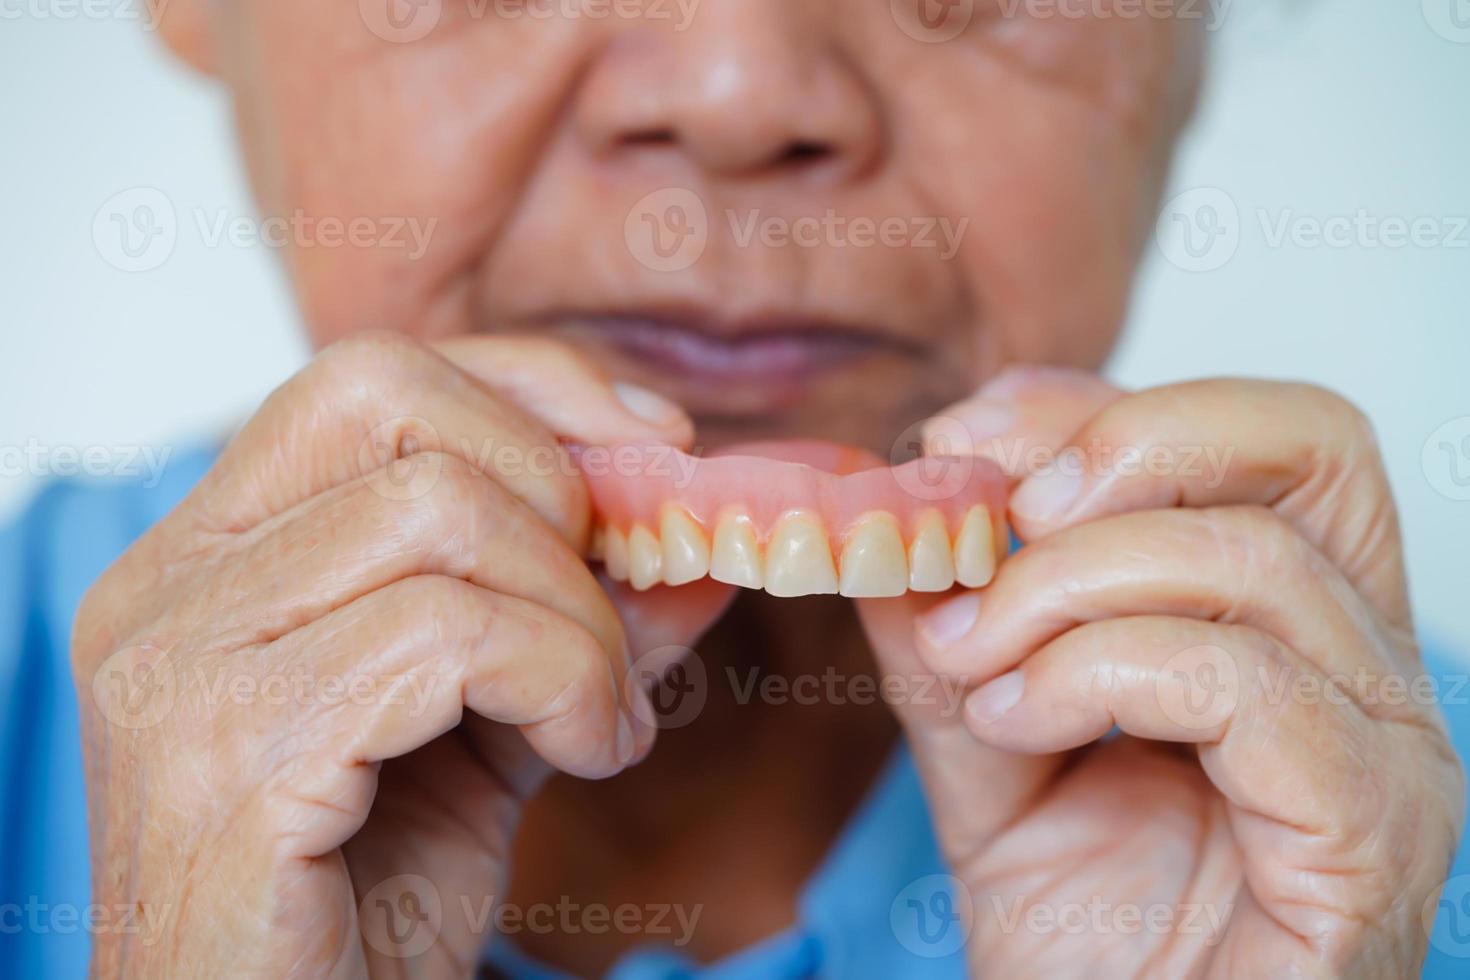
x: 282, y: 773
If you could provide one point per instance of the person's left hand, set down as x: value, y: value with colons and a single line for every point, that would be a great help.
x: 1281, y: 798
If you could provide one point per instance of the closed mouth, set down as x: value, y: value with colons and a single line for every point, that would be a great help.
x: 769, y: 350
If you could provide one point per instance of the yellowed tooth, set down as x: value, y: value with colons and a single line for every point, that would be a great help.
x: 597, y: 547
x: 931, y: 562
x: 1002, y: 539
x: 615, y: 554
x: 735, y: 558
x: 974, y: 550
x: 645, y: 558
x: 686, y: 550
x: 799, y: 559
x: 873, y: 563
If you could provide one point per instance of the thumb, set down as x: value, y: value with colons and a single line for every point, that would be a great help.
x: 973, y: 789
x: 1024, y: 411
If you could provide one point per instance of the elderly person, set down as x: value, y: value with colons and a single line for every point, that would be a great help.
x: 500, y: 802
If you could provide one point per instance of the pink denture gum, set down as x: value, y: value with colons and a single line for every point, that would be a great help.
x: 796, y: 518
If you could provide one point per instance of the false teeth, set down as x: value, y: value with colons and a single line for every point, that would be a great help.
x: 736, y: 556
x: 615, y: 554
x: 686, y: 551
x: 873, y: 562
x: 931, y: 560
x: 974, y: 550
x: 645, y: 558
x: 799, y: 559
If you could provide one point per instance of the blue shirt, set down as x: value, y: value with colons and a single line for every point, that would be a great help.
x: 880, y: 905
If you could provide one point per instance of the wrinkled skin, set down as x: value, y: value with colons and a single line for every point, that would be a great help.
x: 1292, y: 828
x: 1312, y: 831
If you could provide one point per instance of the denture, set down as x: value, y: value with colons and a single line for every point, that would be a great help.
x: 795, y: 519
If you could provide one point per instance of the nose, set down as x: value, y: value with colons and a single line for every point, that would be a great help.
x: 745, y: 89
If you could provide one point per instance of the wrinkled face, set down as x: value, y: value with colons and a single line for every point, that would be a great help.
x: 795, y: 217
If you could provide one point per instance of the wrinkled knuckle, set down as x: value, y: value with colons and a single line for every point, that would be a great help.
x: 1248, y: 530
x: 1338, y: 413
x: 447, y: 507
x: 588, y: 674
x: 369, y: 362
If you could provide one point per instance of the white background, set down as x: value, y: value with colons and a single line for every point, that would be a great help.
x: 1315, y: 109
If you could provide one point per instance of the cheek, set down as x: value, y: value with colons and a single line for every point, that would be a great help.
x: 1057, y: 164
x: 408, y: 141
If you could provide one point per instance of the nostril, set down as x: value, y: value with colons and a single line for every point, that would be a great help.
x: 649, y: 137
x: 804, y: 152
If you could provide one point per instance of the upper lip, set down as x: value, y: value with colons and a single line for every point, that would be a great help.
x: 757, y: 347
x: 661, y: 333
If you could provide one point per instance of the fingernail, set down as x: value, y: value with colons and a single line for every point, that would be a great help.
x: 1047, y: 496
x: 949, y: 622
x: 645, y: 723
x: 649, y: 406
x: 627, y: 743
x: 990, y: 701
